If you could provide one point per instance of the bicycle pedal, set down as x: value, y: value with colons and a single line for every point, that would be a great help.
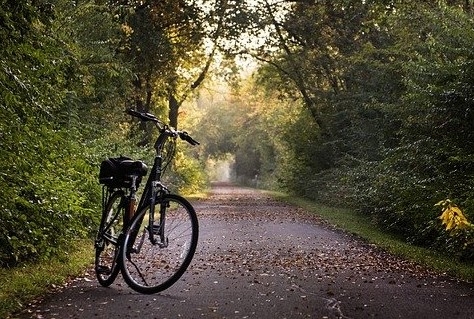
x: 103, y: 270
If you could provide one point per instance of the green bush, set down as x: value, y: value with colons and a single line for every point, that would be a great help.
x: 186, y: 174
x: 52, y: 199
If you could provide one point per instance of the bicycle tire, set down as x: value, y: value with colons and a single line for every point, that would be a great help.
x: 148, y: 268
x: 107, y: 244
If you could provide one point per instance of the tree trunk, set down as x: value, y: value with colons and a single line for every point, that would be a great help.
x: 173, y: 110
x: 143, y: 104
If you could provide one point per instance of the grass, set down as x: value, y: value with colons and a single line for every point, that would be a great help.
x: 361, y: 226
x: 22, y: 285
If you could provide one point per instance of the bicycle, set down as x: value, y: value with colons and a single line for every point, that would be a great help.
x: 153, y: 242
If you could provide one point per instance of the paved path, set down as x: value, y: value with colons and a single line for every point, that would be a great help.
x: 258, y: 258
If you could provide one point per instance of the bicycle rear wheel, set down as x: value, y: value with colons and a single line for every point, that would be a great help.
x: 153, y: 267
x: 107, y: 244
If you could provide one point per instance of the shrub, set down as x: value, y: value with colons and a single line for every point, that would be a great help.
x: 52, y: 199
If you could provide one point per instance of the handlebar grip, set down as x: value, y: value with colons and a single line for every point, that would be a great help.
x: 185, y: 136
x: 193, y: 141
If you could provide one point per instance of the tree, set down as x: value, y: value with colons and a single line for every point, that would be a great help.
x: 165, y: 43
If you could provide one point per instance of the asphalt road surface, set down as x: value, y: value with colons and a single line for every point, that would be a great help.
x: 259, y: 258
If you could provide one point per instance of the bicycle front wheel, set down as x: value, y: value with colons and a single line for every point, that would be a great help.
x: 152, y: 266
x: 107, y: 243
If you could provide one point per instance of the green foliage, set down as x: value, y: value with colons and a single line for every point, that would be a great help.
x: 48, y: 161
x: 218, y: 122
x: 434, y: 156
x: 187, y: 175
x: 51, y: 199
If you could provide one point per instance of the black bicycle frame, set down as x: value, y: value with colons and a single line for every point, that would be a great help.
x: 154, y: 190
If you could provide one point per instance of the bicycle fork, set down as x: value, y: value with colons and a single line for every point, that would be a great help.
x: 157, y: 229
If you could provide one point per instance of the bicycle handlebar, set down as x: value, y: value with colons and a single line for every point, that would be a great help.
x: 142, y: 116
x: 150, y: 117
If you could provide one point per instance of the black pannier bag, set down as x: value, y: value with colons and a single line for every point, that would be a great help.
x: 116, y: 172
